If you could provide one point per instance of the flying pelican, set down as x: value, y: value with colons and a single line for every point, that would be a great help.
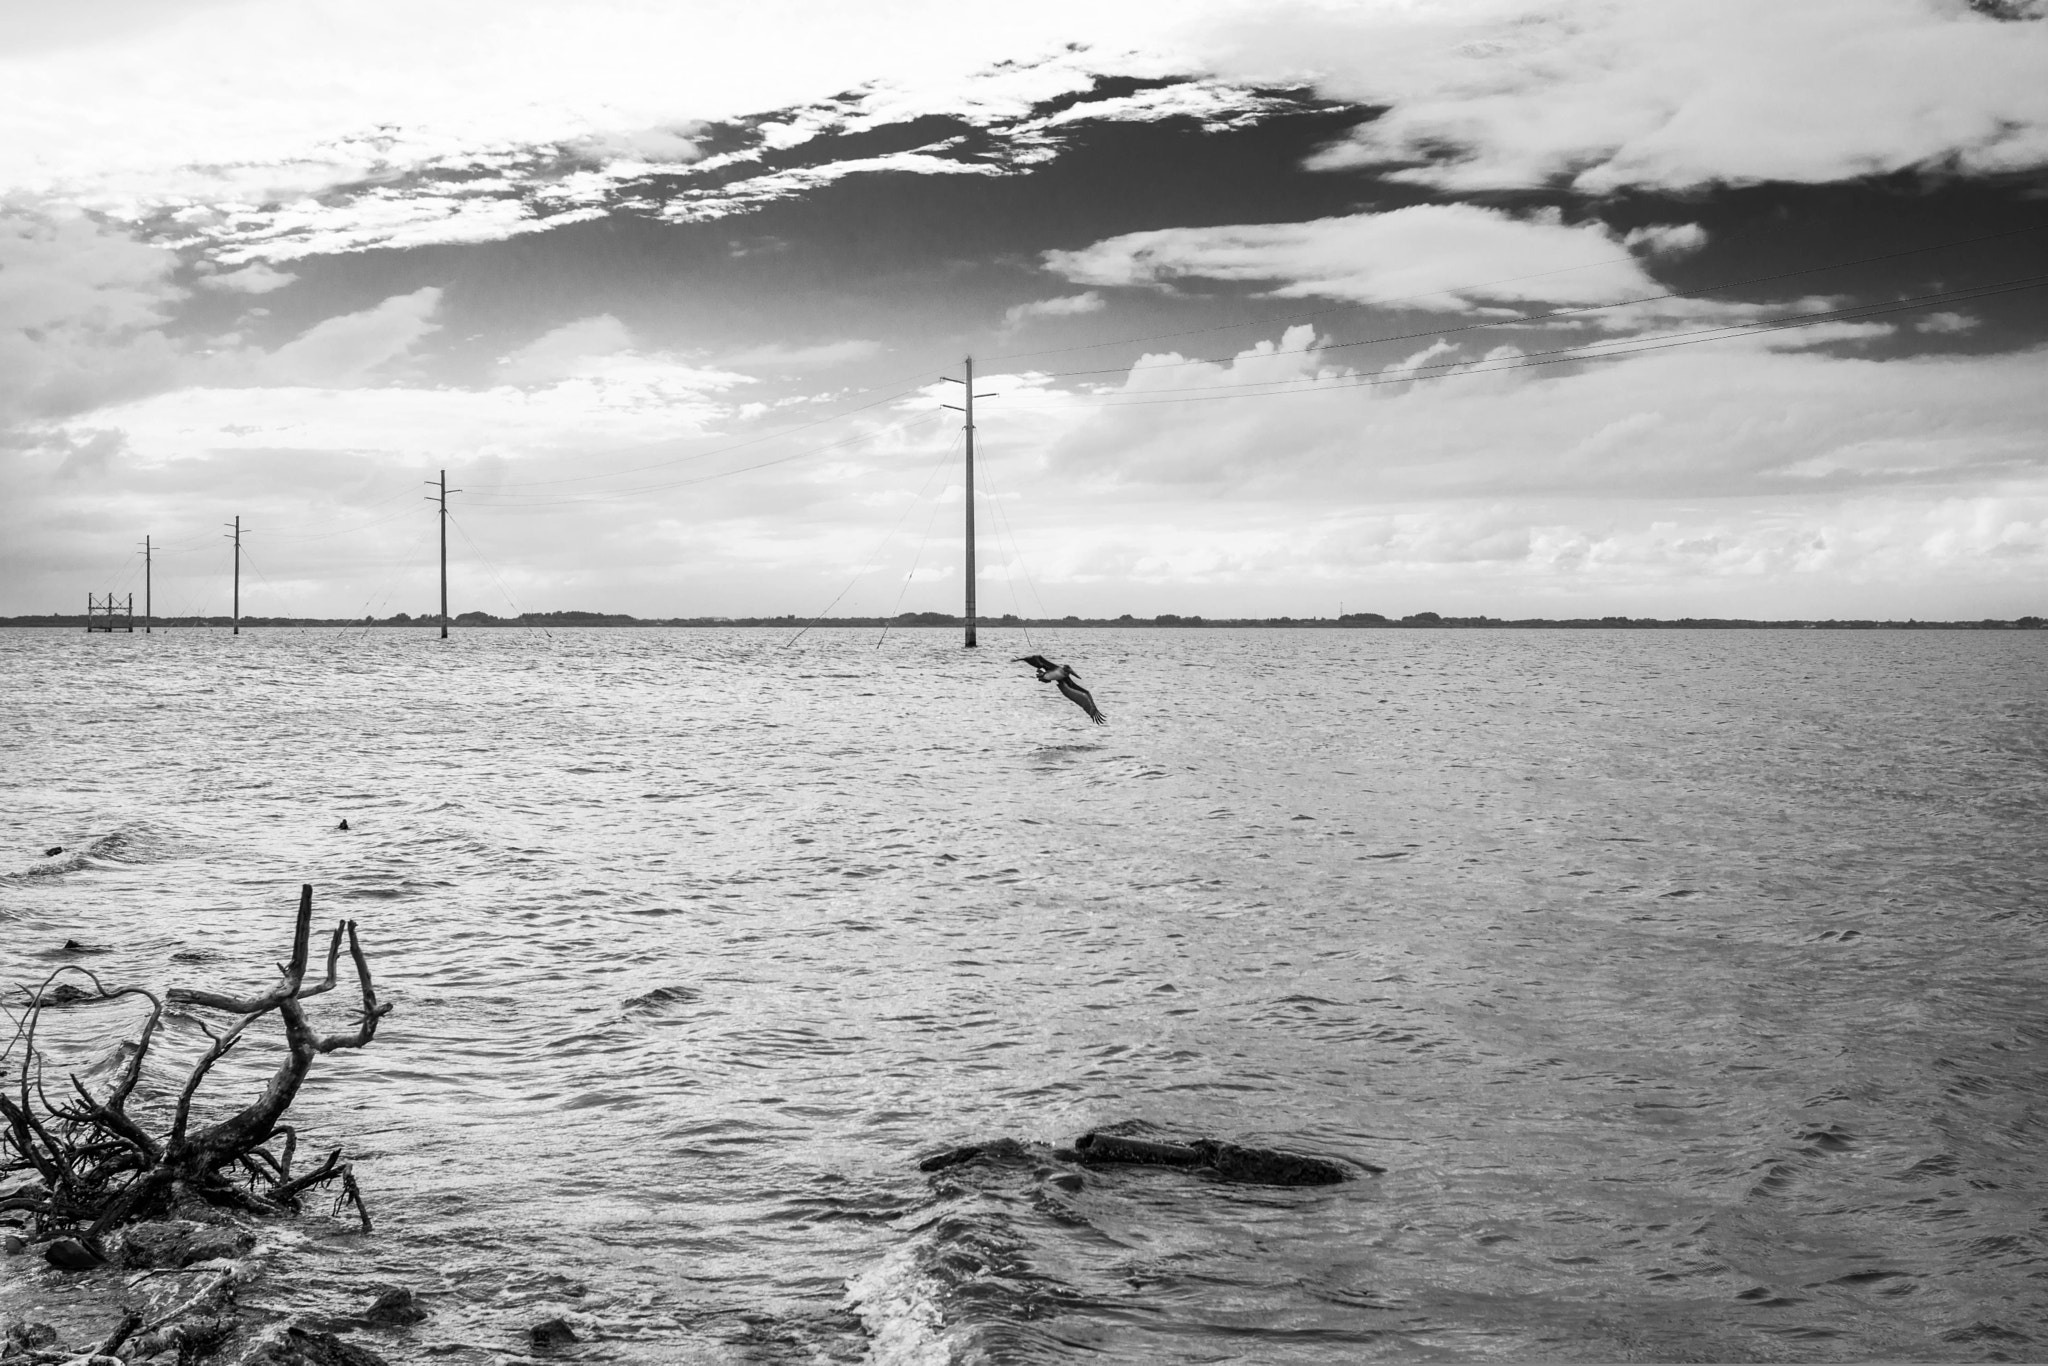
x: 1069, y: 684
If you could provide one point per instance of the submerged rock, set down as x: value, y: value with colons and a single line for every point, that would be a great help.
x: 1271, y: 1167
x: 298, y: 1347
x: 551, y: 1334
x: 1117, y: 1147
x: 395, y: 1308
x: 999, y: 1149
x: 1102, y: 1147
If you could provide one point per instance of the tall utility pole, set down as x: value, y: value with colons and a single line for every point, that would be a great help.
x: 968, y: 410
x: 443, y: 495
x: 146, y: 613
x: 238, y: 575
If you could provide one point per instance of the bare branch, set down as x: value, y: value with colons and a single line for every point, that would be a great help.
x: 294, y: 974
x: 333, y: 953
x: 221, y: 1044
x: 115, y: 1121
x: 324, y: 1172
x: 118, y: 1097
x: 372, y: 1012
x: 130, y: 1321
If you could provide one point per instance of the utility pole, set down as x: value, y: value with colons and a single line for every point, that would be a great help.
x: 968, y: 410
x: 147, y: 615
x: 238, y: 574
x: 443, y: 495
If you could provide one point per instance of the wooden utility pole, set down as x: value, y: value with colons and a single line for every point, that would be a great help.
x: 238, y: 575
x: 147, y: 615
x: 968, y: 410
x: 443, y: 496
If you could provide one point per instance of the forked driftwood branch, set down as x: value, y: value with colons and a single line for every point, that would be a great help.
x: 94, y: 1167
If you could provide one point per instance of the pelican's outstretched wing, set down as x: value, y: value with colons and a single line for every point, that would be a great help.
x: 1083, y: 699
x: 1035, y: 661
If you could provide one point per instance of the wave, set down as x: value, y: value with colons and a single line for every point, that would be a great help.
x: 123, y: 848
x: 1018, y: 1255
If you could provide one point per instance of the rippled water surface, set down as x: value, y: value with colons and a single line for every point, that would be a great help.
x: 1687, y: 984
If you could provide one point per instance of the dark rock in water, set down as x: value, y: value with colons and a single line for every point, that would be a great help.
x: 952, y: 1157
x: 14, y: 1244
x: 1110, y: 1147
x: 1253, y: 1166
x: 298, y: 1347
x: 1101, y: 1147
x: 70, y: 1254
x: 65, y: 994
x: 1000, y: 1149
x: 53, y: 851
x: 343, y: 825
x: 1268, y: 1167
x: 551, y: 1334
x: 395, y: 1308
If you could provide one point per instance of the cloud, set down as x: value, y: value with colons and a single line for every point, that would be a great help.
x: 255, y: 278
x: 1682, y: 423
x: 89, y: 451
x: 1453, y: 258
x: 274, y: 134
x: 785, y: 359
x: 315, y: 134
x: 565, y: 351
x: 349, y: 349
x: 1667, y: 239
x: 1066, y: 306
x: 1493, y: 94
x: 81, y: 305
x: 1946, y: 323
x: 1719, y: 479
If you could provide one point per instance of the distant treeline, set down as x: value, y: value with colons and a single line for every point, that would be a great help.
x: 1349, y: 621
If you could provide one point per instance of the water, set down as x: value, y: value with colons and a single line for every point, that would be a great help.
x: 1688, y: 984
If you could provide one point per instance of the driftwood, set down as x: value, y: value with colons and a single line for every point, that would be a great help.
x: 95, y: 1167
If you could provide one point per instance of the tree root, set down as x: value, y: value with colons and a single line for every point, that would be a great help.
x: 94, y: 1167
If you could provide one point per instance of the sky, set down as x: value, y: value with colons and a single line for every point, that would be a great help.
x: 1275, y: 307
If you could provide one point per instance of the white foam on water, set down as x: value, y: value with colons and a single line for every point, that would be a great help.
x: 895, y: 1301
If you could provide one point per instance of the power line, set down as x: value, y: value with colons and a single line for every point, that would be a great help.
x: 945, y: 454
x: 722, y: 450
x: 609, y: 495
x: 489, y: 567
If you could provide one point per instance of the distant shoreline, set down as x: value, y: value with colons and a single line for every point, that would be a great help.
x: 917, y: 620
